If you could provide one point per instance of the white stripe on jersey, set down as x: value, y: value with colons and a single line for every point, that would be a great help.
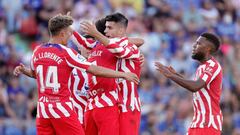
x: 126, y: 91
x: 219, y: 122
x: 214, y: 75
x: 115, y: 40
x: 134, y: 56
x: 70, y: 104
x: 114, y: 94
x: 202, y: 108
x: 76, y: 57
x: 75, y: 86
x: 90, y: 107
x: 79, y: 110
x: 205, y: 77
x: 140, y: 105
x: 125, y: 53
x: 43, y: 112
x: 211, y: 119
x: 119, y: 49
x: 136, y: 102
x: 125, y: 94
x: 132, y: 64
x: 132, y: 97
x: 53, y: 113
x: 62, y: 109
x: 38, y: 108
x: 107, y: 100
x: 124, y: 67
x: 99, y: 105
x: 195, y: 107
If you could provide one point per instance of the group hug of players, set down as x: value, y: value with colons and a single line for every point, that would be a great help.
x: 95, y: 92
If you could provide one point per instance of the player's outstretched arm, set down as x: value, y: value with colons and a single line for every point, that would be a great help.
x: 21, y: 69
x: 190, y: 85
x: 105, y: 72
x: 90, y: 29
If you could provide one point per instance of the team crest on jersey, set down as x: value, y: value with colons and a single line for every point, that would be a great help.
x: 209, y: 70
x: 81, y: 58
x: 83, y: 93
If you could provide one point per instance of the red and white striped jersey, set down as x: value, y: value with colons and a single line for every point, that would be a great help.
x: 102, y: 91
x: 129, y: 62
x: 79, y: 87
x: 53, y: 64
x: 206, y: 101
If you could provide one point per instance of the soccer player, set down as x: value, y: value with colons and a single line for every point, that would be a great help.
x: 116, y: 25
x: 52, y: 64
x: 78, y: 87
x: 206, y: 86
x: 107, y: 126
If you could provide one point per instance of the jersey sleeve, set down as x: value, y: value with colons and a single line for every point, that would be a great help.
x: 76, y: 60
x: 81, y: 41
x: 33, y: 58
x: 210, y: 72
x: 123, y: 49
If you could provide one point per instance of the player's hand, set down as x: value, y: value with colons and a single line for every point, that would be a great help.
x: 131, y: 77
x: 171, y: 69
x: 163, y: 69
x: 88, y: 28
x: 19, y: 69
x: 142, y: 59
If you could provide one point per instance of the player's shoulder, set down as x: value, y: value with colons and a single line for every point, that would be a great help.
x: 213, y: 65
x: 123, y: 40
x: 68, y: 49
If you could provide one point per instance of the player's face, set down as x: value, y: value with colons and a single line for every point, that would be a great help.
x: 112, y: 30
x: 199, y: 49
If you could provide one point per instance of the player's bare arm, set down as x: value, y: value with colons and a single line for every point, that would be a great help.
x: 22, y: 69
x: 171, y: 69
x: 190, y: 85
x: 90, y: 29
x: 105, y: 72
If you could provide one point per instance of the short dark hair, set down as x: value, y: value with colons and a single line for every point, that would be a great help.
x: 59, y: 22
x: 100, y: 25
x: 118, y: 18
x: 212, y: 38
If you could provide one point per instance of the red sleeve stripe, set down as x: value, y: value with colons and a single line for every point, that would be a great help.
x: 76, y: 61
x: 82, y: 41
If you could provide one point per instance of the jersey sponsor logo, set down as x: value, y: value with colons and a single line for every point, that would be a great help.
x: 96, y: 53
x: 95, y: 92
x: 209, y: 70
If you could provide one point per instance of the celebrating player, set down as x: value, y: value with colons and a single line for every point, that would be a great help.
x: 118, y: 44
x: 206, y: 86
x: 52, y: 64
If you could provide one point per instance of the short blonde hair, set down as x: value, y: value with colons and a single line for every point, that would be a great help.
x: 59, y: 22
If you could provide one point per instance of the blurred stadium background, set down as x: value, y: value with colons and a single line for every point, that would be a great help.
x: 169, y: 28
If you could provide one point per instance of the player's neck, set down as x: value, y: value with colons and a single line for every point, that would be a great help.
x: 208, y: 57
x: 55, y: 40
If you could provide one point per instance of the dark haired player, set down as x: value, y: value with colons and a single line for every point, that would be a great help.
x: 206, y: 86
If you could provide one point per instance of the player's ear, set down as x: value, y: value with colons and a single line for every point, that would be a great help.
x: 61, y: 34
x: 120, y: 31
